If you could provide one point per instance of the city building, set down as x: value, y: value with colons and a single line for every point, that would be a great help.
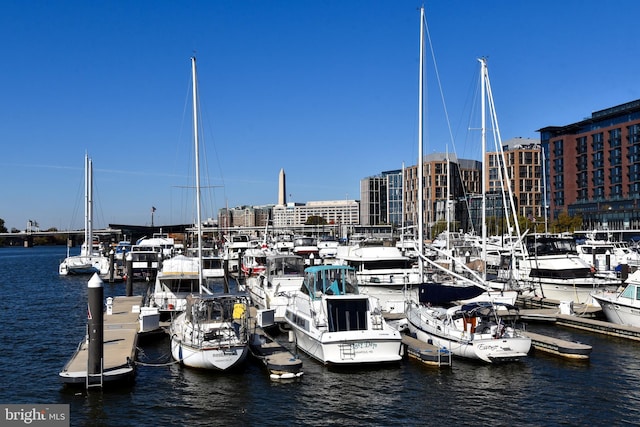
x: 593, y: 168
x: 244, y: 216
x: 381, y: 199
x: 523, y: 160
x: 444, y: 177
x: 335, y: 212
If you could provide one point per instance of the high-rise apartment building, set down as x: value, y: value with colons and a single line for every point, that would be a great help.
x: 444, y: 177
x: 593, y: 167
x: 523, y: 160
x: 381, y: 199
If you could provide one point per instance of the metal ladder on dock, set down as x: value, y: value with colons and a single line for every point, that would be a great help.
x: 90, y: 383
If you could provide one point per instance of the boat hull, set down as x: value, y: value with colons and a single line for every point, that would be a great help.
x: 617, y: 311
x: 485, y: 345
x: 212, y: 358
x: 338, y: 349
x: 80, y: 264
x: 487, y: 350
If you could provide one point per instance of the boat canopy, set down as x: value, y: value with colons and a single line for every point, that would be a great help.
x: 443, y: 293
x: 480, y: 308
x: 329, y: 280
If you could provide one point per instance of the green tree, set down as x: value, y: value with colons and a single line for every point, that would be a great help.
x: 316, y: 220
x: 566, y: 223
x: 3, y: 229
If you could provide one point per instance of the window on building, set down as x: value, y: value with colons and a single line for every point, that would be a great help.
x: 598, y: 159
x: 558, y: 165
x: 615, y: 137
x: 558, y: 148
x: 633, y: 134
x: 597, y: 142
x: 615, y: 156
x: 582, y: 145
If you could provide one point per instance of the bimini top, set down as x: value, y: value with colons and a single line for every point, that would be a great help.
x: 329, y: 280
x: 480, y: 308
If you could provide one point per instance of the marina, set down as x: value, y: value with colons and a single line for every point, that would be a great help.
x: 172, y: 392
x: 495, y: 283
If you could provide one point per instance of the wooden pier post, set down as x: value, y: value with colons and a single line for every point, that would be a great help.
x: 95, y: 326
x: 112, y: 265
x: 129, y: 265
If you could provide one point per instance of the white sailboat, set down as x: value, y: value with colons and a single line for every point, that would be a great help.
x: 90, y: 259
x: 472, y: 331
x: 212, y: 332
x: 460, y: 329
x: 456, y: 286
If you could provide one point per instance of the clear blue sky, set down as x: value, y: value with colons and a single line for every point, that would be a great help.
x: 325, y: 89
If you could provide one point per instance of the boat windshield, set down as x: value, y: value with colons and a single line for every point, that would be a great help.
x: 631, y: 292
x: 286, y: 266
x: 334, y: 281
x: 550, y: 245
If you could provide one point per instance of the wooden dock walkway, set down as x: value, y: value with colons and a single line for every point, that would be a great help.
x: 599, y: 326
x: 559, y: 347
x: 426, y: 353
x: 584, y: 317
x: 279, y: 361
x: 120, y: 345
x: 530, y: 304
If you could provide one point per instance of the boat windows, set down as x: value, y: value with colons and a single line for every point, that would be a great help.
x: 631, y: 292
x: 382, y: 264
x: 347, y: 315
x: 575, y: 273
x: 180, y: 285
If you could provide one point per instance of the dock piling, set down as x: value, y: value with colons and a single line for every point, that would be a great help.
x: 95, y: 326
x: 129, y: 266
x: 112, y: 265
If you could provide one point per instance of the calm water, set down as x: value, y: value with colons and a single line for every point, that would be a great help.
x: 43, y: 317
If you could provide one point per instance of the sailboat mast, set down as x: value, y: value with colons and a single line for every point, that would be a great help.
x: 89, y: 231
x: 448, y: 213
x: 86, y: 203
x: 483, y: 73
x: 420, y: 185
x: 197, y: 159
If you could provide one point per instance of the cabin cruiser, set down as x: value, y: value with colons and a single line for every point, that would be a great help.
x: 271, y: 288
x: 335, y: 324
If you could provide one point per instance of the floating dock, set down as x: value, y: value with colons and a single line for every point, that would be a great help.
x: 120, y: 346
x: 279, y: 361
x: 426, y: 353
x: 584, y: 317
x: 599, y: 326
x: 547, y: 305
x: 562, y: 348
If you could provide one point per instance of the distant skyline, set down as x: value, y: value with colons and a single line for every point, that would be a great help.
x: 326, y: 90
